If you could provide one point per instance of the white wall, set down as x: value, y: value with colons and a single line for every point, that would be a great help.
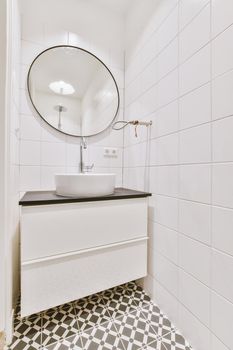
x: 3, y: 39
x: 13, y: 115
x: 179, y: 74
x: 44, y: 151
x: 9, y: 169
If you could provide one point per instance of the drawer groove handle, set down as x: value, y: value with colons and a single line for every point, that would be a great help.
x: 80, y: 252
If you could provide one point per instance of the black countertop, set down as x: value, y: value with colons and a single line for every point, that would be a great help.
x: 50, y: 197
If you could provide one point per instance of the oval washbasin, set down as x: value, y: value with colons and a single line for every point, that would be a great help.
x: 84, y: 185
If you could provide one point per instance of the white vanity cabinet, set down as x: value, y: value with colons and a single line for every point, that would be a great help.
x: 73, y: 249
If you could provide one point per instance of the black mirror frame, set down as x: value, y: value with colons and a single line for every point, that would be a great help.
x: 78, y: 48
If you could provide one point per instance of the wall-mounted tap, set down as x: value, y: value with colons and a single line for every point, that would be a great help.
x: 84, y: 168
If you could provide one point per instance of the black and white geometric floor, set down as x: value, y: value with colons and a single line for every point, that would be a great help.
x: 121, y: 318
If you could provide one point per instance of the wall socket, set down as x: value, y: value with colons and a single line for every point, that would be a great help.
x: 110, y: 152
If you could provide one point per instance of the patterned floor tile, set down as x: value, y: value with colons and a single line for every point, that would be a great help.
x: 158, y: 320
x: 91, y: 313
x: 121, y: 318
x: 67, y: 307
x: 135, y: 331
x: 27, y: 334
x: 17, y: 317
x: 118, y: 302
x: 60, y: 324
x: 175, y: 341
x: 139, y: 296
x: 73, y: 343
x: 156, y: 345
x: 104, y: 337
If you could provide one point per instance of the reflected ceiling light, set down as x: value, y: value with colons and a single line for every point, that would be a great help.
x: 62, y: 88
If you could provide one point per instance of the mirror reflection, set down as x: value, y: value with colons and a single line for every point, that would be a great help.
x: 73, y: 91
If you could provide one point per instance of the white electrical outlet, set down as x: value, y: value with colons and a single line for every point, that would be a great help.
x: 111, y: 152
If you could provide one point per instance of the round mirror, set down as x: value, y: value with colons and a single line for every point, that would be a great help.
x: 73, y: 91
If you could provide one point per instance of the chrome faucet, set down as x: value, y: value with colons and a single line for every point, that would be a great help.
x: 84, y: 168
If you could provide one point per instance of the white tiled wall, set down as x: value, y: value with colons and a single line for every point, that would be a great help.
x: 43, y: 151
x: 12, y: 188
x: 179, y: 74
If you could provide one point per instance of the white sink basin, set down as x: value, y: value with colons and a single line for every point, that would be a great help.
x: 84, y: 185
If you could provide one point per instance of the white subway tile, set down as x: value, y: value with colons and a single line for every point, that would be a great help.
x: 195, y: 107
x: 222, y: 51
x: 195, y: 35
x: 149, y: 101
x: 222, y: 319
x: 55, y: 35
x: 73, y: 154
x: 167, y: 302
x: 29, y: 153
x: 153, y: 179
x: 222, y: 102
x: 134, y: 178
x: 192, y: 254
x: 133, y: 90
x: 196, y: 71
x: 168, y: 180
x: 168, y: 88
x: 51, y: 135
x: 223, y: 140
x: 166, y: 273
x: 195, y: 296
x: 190, y: 9
x: 195, y: 220
x: 29, y: 51
x: 168, y: 149
x: 149, y: 76
x: 29, y: 178
x: 222, y: 223
x: 53, y: 154
x: 154, y: 152
x: 222, y: 191
x: 168, y: 59
x: 195, y: 182
x: 32, y: 30
x: 193, y: 329
x: 222, y: 15
x: 30, y: 128
x: 217, y: 344
x: 222, y: 274
x: 195, y: 145
x: 164, y: 210
x: 24, y: 104
x: 79, y: 41
x: 168, y: 30
x: 165, y: 120
x: 149, y: 50
x: 165, y: 241
x: 23, y: 76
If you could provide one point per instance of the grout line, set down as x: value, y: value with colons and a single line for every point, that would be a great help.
x: 169, y: 292
x: 165, y: 47
x: 193, y: 18
x: 192, y: 201
x: 185, y: 235
x: 216, y: 163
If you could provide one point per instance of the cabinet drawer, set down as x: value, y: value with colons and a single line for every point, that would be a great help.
x: 56, y: 229
x: 55, y: 281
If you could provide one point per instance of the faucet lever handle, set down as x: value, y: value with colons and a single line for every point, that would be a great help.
x: 89, y: 167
